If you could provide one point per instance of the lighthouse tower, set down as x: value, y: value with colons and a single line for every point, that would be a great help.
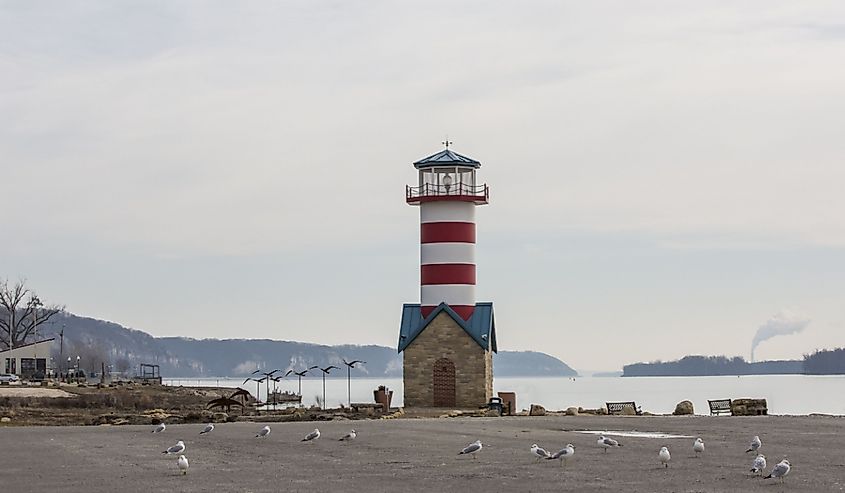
x: 448, y: 338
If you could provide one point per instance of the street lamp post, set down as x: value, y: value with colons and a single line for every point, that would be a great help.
x: 326, y: 371
x: 300, y: 374
x: 34, y: 303
x: 349, y: 366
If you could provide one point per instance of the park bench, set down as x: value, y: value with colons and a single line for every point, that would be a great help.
x: 720, y: 406
x: 617, y: 407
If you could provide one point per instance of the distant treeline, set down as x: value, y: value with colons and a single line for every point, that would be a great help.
x: 825, y: 362
x: 709, y: 366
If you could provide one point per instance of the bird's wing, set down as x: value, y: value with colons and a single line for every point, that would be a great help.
x: 471, y: 448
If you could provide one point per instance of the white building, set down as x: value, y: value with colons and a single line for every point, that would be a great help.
x: 27, y: 360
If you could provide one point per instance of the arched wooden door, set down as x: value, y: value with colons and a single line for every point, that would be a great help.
x: 444, y: 383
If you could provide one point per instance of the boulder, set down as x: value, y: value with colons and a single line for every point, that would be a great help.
x: 628, y: 411
x: 683, y: 408
x: 572, y: 411
x: 219, y: 417
x: 749, y: 407
x: 5, y: 419
x: 537, y: 410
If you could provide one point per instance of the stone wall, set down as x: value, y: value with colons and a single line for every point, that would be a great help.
x: 444, y: 338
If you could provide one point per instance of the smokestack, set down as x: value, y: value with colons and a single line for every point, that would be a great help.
x: 781, y: 324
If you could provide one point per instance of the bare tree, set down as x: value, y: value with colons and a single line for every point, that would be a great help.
x: 20, y: 313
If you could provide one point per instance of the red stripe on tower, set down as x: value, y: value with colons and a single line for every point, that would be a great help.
x: 443, y: 232
x: 447, y: 274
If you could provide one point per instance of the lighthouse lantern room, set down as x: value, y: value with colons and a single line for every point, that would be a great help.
x: 448, y: 338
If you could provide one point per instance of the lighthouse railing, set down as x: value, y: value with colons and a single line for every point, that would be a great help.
x: 458, y: 190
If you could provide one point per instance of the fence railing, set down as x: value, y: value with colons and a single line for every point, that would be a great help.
x: 434, y: 190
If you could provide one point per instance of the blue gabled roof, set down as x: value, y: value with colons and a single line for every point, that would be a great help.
x: 481, y: 326
x: 447, y: 157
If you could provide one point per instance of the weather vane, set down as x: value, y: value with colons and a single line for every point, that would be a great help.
x: 447, y: 142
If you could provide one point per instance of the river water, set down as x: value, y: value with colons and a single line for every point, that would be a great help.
x: 786, y: 394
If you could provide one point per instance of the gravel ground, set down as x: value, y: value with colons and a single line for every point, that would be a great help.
x: 420, y: 454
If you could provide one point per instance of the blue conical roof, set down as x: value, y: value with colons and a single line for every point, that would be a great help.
x: 446, y: 157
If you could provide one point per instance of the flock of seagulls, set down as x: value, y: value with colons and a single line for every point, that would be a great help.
x: 758, y: 466
x: 182, y: 461
x: 779, y: 471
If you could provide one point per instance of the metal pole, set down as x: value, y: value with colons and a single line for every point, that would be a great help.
x: 323, y: 406
x: 348, y: 386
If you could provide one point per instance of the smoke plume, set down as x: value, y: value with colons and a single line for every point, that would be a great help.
x: 783, y: 323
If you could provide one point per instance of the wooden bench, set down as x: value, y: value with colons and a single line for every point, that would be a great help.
x: 617, y: 407
x: 720, y: 406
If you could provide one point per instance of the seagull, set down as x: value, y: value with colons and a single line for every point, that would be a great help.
x: 264, y: 433
x: 606, y: 443
x: 698, y: 446
x: 540, y: 452
x: 759, y: 464
x: 563, y: 454
x: 183, y: 464
x: 472, y: 449
x: 664, y: 456
x: 780, y: 470
x: 349, y: 436
x: 176, y: 449
x: 755, y: 444
x: 159, y: 428
x: 208, y: 429
x: 311, y: 436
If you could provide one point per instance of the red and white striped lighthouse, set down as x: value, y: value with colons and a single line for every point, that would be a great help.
x: 447, y: 194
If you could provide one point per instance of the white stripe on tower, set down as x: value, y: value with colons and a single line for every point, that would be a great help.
x: 447, y: 256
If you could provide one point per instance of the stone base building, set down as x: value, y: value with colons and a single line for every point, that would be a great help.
x: 448, y: 361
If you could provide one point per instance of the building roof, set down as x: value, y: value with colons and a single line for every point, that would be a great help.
x: 481, y: 326
x: 446, y: 157
x: 27, y: 344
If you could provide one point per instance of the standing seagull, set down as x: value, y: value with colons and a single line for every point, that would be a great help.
x: 472, y: 449
x: 311, y: 436
x: 755, y: 444
x: 349, y: 436
x: 759, y: 464
x: 183, y: 464
x: 159, y: 428
x: 780, y: 470
x: 176, y: 449
x: 540, y: 452
x: 563, y: 454
x: 264, y: 433
x: 698, y: 446
x: 606, y: 443
x: 664, y: 456
x: 208, y: 429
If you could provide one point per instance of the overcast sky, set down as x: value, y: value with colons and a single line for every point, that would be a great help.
x: 664, y: 176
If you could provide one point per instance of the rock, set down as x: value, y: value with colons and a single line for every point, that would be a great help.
x: 537, y: 410
x: 683, y: 408
x: 5, y: 419
x: 749, y: 407
x: 572, y: 411
x: 628, y: 411
x: 219, y: 417
x: 491, y: 413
